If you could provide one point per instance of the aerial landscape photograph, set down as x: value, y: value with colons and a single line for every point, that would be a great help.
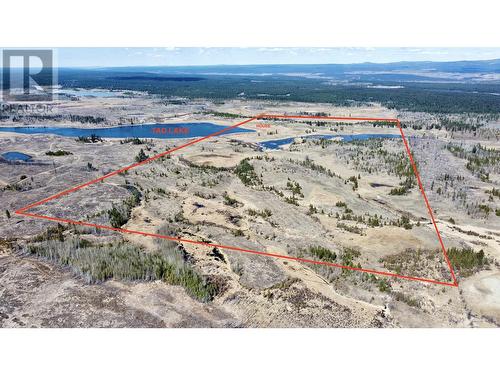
x: 233, y: 188
x: 198, y: 187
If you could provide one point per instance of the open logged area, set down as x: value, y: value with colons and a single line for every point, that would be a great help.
x: 254, y: 196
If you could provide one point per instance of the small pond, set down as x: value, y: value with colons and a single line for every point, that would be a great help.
x: 16, y: 156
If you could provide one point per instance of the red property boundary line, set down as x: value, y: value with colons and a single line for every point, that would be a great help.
x: 23, y: 211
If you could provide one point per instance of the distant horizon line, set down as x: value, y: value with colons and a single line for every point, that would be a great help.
x: 278, y: 64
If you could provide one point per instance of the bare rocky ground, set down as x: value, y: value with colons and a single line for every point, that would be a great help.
x: 38, y: 294
x: 198, y: 192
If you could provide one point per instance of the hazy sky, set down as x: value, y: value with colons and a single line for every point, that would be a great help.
x: 216, y: 56
x: 95, y: 57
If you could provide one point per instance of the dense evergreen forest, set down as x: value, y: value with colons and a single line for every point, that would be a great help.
x: 402, y: 91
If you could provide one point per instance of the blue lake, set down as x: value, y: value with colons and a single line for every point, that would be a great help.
x: 184, y: 130
x: 277, y: 143
x: 15, y: 156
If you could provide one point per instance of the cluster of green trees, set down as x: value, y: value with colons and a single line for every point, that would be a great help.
x: 402, y: 190
x: 310, y: 164
x: 466, y: 260
x: 354, y: 181
x: 58, y: 153
x: 262, y: 213
x: 399, y: 164
x: 350, y: 228
x: 31, y: 118
x: 403, y: 221
x: 141, y: 156
x: 480, y: 160
x: 322, y: 253
x: 494, y: 192
x: 313, y: 209
x: 292, y: 200
x: 119, y: 214
x: 223, y: 114
x: 228, y: 201
x: 134, y: 141
x: 371, y: 156
x: 246, y: 173
x: 405, y: 186
x: 348, y: 257
x: 348, y: 214
x: 372, y: 221
x: 123, y: 261
x: 92, y: 139
x: 410, y: 261
x: 55, y: 233
x: 87, y: 119
x: 295, y: 188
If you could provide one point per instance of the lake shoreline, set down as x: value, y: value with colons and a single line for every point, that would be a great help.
x: 144, y: 131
